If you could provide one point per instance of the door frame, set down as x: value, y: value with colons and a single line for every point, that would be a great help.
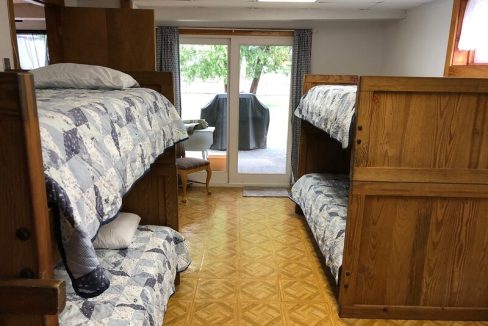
x: 231, y: 176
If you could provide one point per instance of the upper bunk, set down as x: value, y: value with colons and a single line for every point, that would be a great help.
x: 407, y: 129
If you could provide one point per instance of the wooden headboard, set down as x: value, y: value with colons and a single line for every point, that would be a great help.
x: 310, y: 81
x: 161, y: 82
x: 122, y: 39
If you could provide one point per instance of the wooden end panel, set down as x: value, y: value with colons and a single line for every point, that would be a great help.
x: 24, y: 218
x: 161, y: 82
x: 131, y: 39
x: 422, y: 251
x: 421, y: 133
x: 122, y: 39
x: 73, y: 37
x: 310, y: 81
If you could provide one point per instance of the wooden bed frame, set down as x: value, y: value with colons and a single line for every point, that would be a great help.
x: 416, y: 243
x: 28, y: 293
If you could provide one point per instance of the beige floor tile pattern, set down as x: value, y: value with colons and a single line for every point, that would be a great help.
x: 254, y: 264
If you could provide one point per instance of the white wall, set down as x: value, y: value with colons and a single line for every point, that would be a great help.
x: 348, y: 48
x: 5, y: 41
x: 417, y: 44
x: 338, y: 47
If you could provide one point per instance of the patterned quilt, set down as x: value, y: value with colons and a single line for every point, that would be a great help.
x: 330, y: 108
x: 323, y: 199
x: 142, y: 279
x: 95, y: 145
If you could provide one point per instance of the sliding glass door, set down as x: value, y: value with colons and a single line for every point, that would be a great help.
x: 204, y: 68
x: 241, y: 87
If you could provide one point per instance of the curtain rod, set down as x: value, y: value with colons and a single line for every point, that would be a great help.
x: 235, y: 31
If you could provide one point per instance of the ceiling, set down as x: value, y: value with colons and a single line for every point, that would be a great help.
x: 253, y: 13
x: 222, y: 12
x: 377, y: 5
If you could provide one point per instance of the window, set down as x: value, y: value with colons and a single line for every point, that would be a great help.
x: 467, y: 54
x: 32, y: 49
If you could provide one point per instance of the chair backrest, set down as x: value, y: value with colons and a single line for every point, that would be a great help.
x: 180, y: 150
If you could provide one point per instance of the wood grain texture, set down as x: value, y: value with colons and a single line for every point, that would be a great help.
x: 161, y: 82
x: 425, y: 130
x: 417, y: 234
x: 44, y: 297
x: 122, y: 39
x: 22, y: 191
x: 319, y: 153
x: 310, y: 81
x: 419, y: 252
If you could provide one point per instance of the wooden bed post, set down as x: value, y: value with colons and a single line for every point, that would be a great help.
x: 25, y: 234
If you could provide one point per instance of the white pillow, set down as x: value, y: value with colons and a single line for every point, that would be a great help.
x: 118, y: 233
x: 73, y: 75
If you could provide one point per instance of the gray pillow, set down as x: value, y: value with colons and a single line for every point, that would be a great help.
x: 73, y: 75
x: 118, y: 233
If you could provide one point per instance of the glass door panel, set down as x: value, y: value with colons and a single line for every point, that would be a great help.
x: 204, y: 83
x: 264, y: 105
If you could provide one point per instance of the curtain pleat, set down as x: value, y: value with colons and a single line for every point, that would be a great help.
x: 168, y: 57
x: 301, y: 65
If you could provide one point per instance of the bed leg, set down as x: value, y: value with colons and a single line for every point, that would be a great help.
x: 298, y: 210
x: 177, y: 279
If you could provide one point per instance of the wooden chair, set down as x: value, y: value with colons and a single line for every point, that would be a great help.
x: 188, y: 165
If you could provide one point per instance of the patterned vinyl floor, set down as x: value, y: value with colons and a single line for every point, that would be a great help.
x: 253, y: 264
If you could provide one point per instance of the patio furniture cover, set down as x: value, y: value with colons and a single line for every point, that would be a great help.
x: 253, y: 121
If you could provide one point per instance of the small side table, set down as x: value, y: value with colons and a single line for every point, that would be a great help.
x: 200, y: 140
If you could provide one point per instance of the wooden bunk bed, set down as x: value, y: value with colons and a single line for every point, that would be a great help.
x: 28, y: 293
x: 29, y: 249
x: 416, y: 239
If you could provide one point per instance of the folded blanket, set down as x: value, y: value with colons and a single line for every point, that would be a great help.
x: 192, y: 125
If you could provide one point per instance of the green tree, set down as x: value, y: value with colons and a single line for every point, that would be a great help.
x: 210, y: 62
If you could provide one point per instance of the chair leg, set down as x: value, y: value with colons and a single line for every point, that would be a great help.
x: 183, y: 184
x: 209, y: 175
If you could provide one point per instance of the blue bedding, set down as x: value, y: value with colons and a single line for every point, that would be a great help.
x: 323, y: 199
x: 95, y: 145
x: 330, y: 108
x: 142, y: 278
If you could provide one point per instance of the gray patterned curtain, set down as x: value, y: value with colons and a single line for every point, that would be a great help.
x: 302, y: 55
x: 168, y: 57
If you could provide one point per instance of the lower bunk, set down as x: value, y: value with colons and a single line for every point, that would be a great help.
x: 142, y: 279
x: 323, y: 201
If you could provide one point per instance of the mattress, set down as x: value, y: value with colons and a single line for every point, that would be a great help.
x: 95, y: 145
x: 323, y: 199
x: 330, y: 108
x: 142, y: 278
